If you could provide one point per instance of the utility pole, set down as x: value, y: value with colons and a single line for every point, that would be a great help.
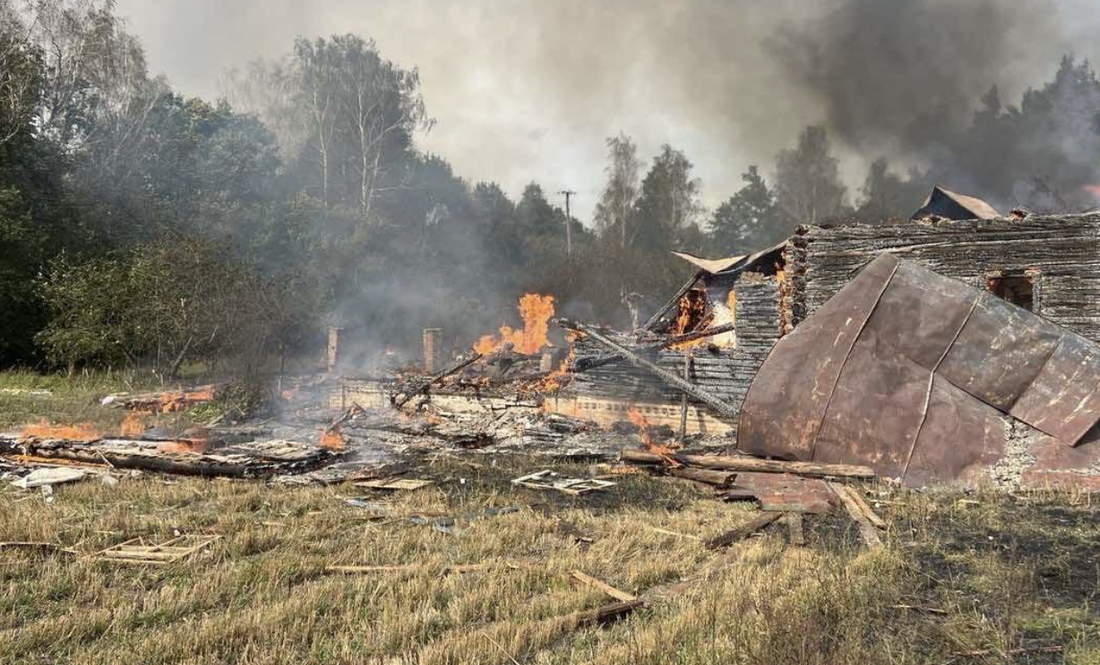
x: 568, y: 223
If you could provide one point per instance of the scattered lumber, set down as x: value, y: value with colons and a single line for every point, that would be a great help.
x: 552, y: 480
x: 866, y: 509
x: 46, y: 548
x: 617, y: 594
x: 742, y: 531
x: 794, y: 529
x: 408, y: 568
x: 136, y: 550
x: 394, y: 484
x: 867, y: 530
x: 707, y: 476
x: 399, y: 400
x: 754, y: 464
x: 604, y: 614
x: 719, y: 405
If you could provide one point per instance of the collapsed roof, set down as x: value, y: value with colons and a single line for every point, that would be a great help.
x: 910, y: 372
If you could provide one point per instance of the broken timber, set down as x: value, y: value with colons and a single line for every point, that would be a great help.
x: 400, y: 401
x: 742, y: 531
x: 672, y: 302
x: 720, y: 406
x: 755, y: 464
x: 609, y: 590
x: 867, y: 530
x: 585, y: 364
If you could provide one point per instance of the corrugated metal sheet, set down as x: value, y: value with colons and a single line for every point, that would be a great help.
x: 911, y: 372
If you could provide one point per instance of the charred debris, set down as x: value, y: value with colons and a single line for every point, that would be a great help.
x: 941, y: 351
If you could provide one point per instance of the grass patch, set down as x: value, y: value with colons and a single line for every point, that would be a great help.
x: 261, y: 594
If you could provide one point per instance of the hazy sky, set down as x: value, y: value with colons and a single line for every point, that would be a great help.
x: 527, y: 91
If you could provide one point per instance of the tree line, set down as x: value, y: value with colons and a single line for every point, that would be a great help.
x: 140, y: 227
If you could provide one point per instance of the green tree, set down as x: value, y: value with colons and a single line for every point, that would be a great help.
x: 887, y: 197
x: 668, y: 207
x: 750, y: 219
x: 615, y: 209
x: 807, y: 182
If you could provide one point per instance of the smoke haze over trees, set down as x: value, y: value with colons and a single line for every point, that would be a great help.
x: 142, y: 226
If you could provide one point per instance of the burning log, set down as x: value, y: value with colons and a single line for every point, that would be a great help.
x: 755, y: 464
x: 592, y: 363
x: 672, y: 303
x: 719, y: 406
x: 400, y: 401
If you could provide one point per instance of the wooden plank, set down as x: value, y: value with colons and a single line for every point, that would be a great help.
x: 396, y: 484
x: 617, y: 594
x: 36, y: 546
x: 605, y: 613
x: 742, y: 531
x: 866, y: 509
x: 794, y: 528
x: 755, y: 464
x: 867, y: 530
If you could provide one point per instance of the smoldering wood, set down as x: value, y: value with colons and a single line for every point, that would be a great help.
x: 755, y: 464
x: 726, y: 372
x: 402, y: 399
x: 585, y: 364
x: 714, y: 402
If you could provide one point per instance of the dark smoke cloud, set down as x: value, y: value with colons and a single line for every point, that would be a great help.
x: 903, y: 78
x: 529, y: 90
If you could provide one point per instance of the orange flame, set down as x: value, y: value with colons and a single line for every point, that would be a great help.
x: 331, y: 439
x: 78, y: 432
x: 1093, y: 189
x: 196, y: 446
x: 132, y: 425
x: 535, y: 310
x: 691, y: 315
x: 176, y: 401
x: 648, y: 443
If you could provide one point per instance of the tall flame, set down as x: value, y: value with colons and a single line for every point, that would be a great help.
x: 536, y: 311
x: 691, y: 315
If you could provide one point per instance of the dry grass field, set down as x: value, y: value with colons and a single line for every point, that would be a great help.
x: 971, y: 579
x: 964, y: 579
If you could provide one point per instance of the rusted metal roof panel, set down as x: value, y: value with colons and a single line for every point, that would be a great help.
x: 999, y: 351
x: 912, y: 372
x: 1065, y: 395
x: 786, y: 403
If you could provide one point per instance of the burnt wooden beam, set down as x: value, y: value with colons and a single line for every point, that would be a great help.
x: 585, y: 364
x: 755, y: 464
x: 742, y: 531
x: 400, y: 401
x: 708, y: 476
x: 714, y: 402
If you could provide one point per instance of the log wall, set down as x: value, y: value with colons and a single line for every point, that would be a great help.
x: 727, y: 373
x: 1065, y: 250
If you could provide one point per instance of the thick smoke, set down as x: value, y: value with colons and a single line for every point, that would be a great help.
x: 898, y: 77
x: 528, y: 90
